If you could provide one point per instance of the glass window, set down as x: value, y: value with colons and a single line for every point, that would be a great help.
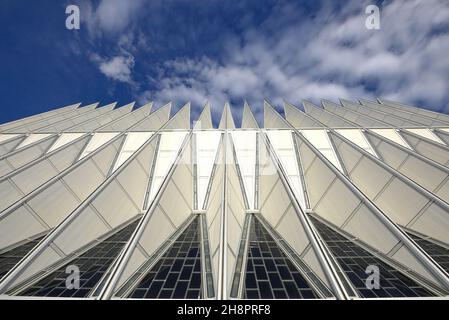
x: 11, y: 257
x: 92, y: 265
x: 269, y: 273
x: 177, y: 274
x: 354, y: 260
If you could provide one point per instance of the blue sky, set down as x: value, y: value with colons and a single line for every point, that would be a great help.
x: 221, y: 51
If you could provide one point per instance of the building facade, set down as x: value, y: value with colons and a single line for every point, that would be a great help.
x: 339, y: 201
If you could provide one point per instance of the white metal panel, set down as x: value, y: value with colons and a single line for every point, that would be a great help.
x: 135, y: 261
x: 434, y: 223
x: 292, y: 230
x: 134, y: 180
x: 29, y: 179
x: 169, y: 146
x: 84, y: 180
x: 177, y: 210
x: 366, y: 226
x: 32, y: 138
x: 42, y: 261
x: 356, y: 136
x: 338, y: 203
x: 85, y: 228
x: 321, y: 141
x: 9, y: 194
x: 426, y: 133
x: 245, y: 149
x: 282, y: 142
x: 234, y: 230
x: 114, y: 205
x: 64, y: 139
x: 229, y: 261
x: 407, y: 258
x: 5, y: 137
x: 97, y: 140
x: 276, y: 203
x: 156, y: 232
x: 134, y: 140
x: 18, y: 226
x: 54, y: 204
x: 206, y: 150
x: 392, y: 135
x: 317, y: 171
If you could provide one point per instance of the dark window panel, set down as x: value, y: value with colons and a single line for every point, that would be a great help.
x: 437, y: 252
x: 354, y: 260
x: 269, y: 271
x: 10, y: 258
x: 92, y: 265
x: 177, y: 274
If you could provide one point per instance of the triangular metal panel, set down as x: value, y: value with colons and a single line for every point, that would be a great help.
x: 33, y: 138
x: 64, y: 139
x: 154, y: 121
x: 65, y: 121
x: 378, y: 115
x: 9, y: 145
x: 320, y: 140
x: 33, y: 125
x: 8, y: 136
x: 181, y: 120
x: 98, y: 139
x: 37, y: 117
x: 392, y: 135
x: 128, y: 120
x: 419, y: 119
x: 420, y: 111
x: 352, y: 115
x: 272, y: 119
x: 248, y: 119
x: 426, y: 133
x: 357, y: 137
x: 205, y: 119
x: 99, y: 122
x: 226, y: 121
x: 298, y: 118
x: 326, y: 117
x: 132, y: 143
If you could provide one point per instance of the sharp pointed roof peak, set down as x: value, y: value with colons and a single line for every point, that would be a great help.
x: 226, y: 120
x: 204, y: 120
x: 248, y: 119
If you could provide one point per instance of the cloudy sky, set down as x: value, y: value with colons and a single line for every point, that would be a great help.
x: 226, y: 50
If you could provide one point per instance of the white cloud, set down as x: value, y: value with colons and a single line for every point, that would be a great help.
x: 110, y: 16
x: 117, y: 68
x: 327, y: 57
x: 114, y: 19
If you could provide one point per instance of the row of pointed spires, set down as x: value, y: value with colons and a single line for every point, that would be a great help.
x: 272, y: 119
